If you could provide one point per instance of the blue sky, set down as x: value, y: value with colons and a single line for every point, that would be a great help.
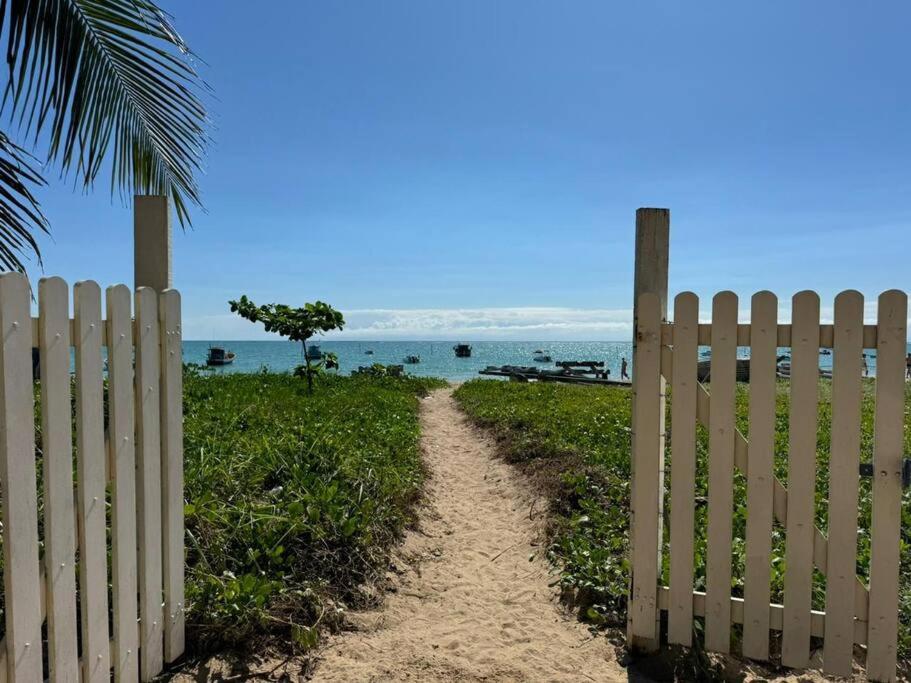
x: 471, y: 169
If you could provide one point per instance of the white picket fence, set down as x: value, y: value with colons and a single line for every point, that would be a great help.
x: 128, y: 459
x: 856, y: 611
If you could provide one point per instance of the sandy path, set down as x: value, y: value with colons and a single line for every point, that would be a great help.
x: 469, y: 605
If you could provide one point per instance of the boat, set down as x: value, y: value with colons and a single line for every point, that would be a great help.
x: 219, y: 356
x: 572, y: 372
x: 369, y: 352
x: 314, y: 352
x: 462, y: 350
x: 783, y: 369
x: 542, y: 357
x: 411, y: 360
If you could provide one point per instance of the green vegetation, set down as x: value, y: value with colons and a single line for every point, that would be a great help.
x: 293, y: 500
x: 585, y: 431
x: 297, y: 324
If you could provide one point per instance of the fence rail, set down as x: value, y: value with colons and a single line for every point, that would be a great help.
x: 670, y: 351
x: 128, y: 456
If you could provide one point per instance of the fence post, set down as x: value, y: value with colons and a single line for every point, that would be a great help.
x: 650, y: 276
x: 153, y: 267
x: 152, y: 242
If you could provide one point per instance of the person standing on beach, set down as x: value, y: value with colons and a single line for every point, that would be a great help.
x: 866, y: 369
x: 908, y: 366
x: 623, y: 367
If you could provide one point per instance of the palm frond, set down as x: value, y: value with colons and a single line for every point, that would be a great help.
x: 101, y: 79
x: 20, y: 215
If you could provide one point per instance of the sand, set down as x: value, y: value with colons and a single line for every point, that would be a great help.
x: 473, y: 601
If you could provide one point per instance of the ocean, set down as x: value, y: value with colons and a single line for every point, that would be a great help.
x: 437, y: 357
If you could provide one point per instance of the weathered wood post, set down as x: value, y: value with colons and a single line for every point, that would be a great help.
x: 153, y: 267
x: 152, y: 242
x: 650, y: 276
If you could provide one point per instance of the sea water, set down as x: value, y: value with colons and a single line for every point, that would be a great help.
x: 437, y: 357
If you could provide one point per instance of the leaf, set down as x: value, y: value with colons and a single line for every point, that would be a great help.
x: 20, y: 214
x: 108, y: 80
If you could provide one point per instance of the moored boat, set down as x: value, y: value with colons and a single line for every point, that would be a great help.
x: 542, y: 357
x: 783, y: 369
x: 462, y: 350
x: 411, y: 360
x: 314, y: 352
x: 218, y: 355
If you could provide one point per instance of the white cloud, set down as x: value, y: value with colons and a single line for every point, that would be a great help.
x: 470, y: 324
x: 528, y: 323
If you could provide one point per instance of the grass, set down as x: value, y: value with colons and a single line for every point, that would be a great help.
x: 293, y: 501
x: 586, y: 429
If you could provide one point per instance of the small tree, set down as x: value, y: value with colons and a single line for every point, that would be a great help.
x: 297, y: 324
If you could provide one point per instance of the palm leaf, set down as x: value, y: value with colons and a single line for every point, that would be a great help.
x: 108, y: 79
x: 20, y: 215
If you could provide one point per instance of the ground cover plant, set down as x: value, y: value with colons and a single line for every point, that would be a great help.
x: 293, y: 499
x: 586, y: 430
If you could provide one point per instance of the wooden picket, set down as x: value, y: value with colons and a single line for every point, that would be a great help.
x: 683, y: 473
x: 148, y: 482
x: 90, y: 475
x: 59, y: 503
x: 869, y: 619
x: 146, y: 526
x: 172, y: 472
x: 888, y: 452
x: 123, y: 484
x: 18, y: 483
x: 798, y: 579
x: 721, y: 473
x: 844, y: 456
x: 760, y: 495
